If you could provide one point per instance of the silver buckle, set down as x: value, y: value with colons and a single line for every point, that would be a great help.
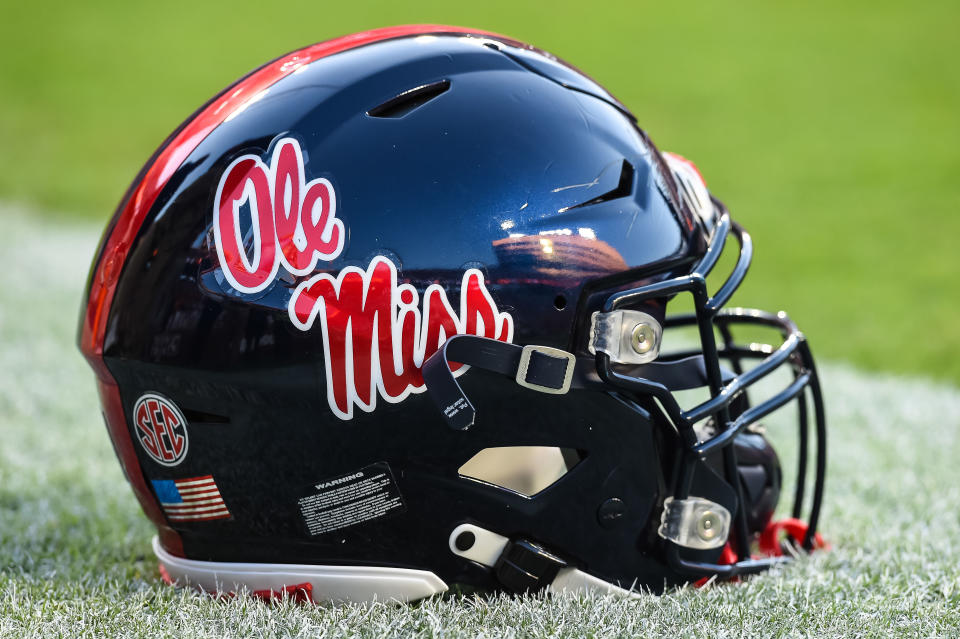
x: 528, y: 351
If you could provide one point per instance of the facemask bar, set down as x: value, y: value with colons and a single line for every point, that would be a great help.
x: 793, y: 352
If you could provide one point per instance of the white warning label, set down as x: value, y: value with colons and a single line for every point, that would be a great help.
x: 339, y: 502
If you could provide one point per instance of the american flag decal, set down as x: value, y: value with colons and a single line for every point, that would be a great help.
x: 191, y: 499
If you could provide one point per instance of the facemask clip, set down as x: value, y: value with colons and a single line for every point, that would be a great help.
x: 695, y: 523
x: 628, y: 337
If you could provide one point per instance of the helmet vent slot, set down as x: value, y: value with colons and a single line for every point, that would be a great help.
x: 526, y: 470
x: 623, y: 189
x: 399, y: 106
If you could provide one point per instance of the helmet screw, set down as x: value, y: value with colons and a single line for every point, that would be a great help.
x: 643, y: 339
x: 611, y: 512
x: 708, y: 526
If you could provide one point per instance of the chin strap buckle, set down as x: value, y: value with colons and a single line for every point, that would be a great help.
x: 539, y: 368
x: 545, y: 369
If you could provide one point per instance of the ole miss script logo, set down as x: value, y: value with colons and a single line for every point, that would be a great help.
x: 376, y: 331
x: 161, y: 429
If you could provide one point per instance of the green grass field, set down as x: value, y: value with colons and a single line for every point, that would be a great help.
x: 75, y: 556
x: 832, y: 130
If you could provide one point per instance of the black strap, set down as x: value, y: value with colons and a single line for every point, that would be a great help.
x: 677, y: 375
x: 544, y: 372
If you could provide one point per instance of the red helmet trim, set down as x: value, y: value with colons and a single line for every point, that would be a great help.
x: 142, y: 195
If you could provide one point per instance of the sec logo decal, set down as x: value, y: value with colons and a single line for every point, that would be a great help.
x: 161, y: 429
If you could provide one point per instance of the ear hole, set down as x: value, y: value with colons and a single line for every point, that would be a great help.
x: 526, y: 470
x: 560, y: 302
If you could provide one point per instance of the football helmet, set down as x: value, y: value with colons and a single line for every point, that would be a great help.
x: 395, y: 312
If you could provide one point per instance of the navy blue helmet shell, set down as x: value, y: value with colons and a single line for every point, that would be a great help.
x: 390, y: 314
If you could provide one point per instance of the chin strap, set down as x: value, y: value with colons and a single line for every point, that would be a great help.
x: 539, y: 368
x: 522, y: 566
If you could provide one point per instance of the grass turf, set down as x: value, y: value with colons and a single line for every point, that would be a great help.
x: 830, y: 128
x: 74, y: 547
